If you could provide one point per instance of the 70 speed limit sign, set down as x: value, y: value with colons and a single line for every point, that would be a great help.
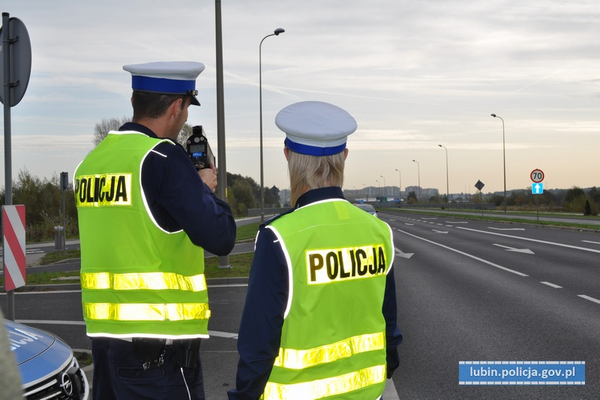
x: 537, y: 175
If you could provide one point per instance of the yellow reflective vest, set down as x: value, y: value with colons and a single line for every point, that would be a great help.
x: 333, y: 342
x: 137, y: 280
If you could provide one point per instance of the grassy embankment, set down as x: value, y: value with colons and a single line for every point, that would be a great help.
x: 476, y: 215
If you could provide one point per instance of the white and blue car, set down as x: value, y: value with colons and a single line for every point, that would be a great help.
x: 48, y: 367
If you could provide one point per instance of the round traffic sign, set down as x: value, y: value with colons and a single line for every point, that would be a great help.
x: 537, y: 175
x: 18, y: 46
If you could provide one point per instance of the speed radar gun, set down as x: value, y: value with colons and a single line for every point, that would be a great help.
x: 199, y: 150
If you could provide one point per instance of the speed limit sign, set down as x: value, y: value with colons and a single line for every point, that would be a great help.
x: 537, y: 175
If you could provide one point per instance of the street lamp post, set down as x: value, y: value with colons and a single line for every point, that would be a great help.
x: 399, y: 184
x: 379, y: 184
x: 276, y: 32
x: 419, y: 179
x: 503, y: 157
x: 384, y: 192
x: 447, y: 180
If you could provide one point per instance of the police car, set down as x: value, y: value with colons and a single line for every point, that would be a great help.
x: 48, y: 367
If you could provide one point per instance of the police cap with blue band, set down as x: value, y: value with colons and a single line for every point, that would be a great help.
x: 315, y: 128
x: 166, y: 77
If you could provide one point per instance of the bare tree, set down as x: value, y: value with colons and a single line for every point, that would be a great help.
x: 107, y: 125
x: 186, y: 132
x: 113, y: 124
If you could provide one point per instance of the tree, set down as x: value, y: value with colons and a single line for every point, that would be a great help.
x: 43, y: 206
x: 575, y: 200
x: 272, y: 197
x: 186, y: 132
x: 573, y: 194
x: 412, y: 198
x: 107, y: 125
x: 113, y: 124
x: 594, y: 195
x: 588, y: 208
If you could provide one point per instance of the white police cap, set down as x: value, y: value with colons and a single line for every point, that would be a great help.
x: 166, y: 77
x: 315, y: 128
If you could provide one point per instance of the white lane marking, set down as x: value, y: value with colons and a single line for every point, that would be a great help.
x: 436, y: 231
x: 506, y: 229
x: 226, y: 335
x: 229, y: 285
x: 513, y: 249
x: 583, y: 296
x: 406, y: 223
x: 551, y: 285
x: 531, y: 240
x: 589, y: 241
x: 464, y: 254
x: 457, y: 222
x: 402, y: 254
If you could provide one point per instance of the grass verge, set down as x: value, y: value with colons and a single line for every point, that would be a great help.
x: 516, y: 219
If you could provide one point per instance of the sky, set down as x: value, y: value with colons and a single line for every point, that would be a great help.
x: 414, y: 75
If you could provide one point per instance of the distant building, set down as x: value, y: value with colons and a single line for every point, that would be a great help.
x: 285, y: 196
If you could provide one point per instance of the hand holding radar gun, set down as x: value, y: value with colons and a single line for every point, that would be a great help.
x: 202, y: 157
x: 199, y: 150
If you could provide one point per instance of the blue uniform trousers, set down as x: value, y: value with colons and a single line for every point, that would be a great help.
x: 120, y: 375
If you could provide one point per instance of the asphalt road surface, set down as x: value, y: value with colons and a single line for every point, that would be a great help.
x: 481, y: 291
x: 467, y: 291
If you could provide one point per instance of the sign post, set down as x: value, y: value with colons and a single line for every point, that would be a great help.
x: 479, y: 185
x: 15, y: 69
x: 537, y: 176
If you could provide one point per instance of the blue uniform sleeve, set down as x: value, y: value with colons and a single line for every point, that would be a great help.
x: 393, y: 333
x: 262, y: 319
x: 178, y: 199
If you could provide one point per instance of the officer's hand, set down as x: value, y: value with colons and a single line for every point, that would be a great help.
x: 209, y: 177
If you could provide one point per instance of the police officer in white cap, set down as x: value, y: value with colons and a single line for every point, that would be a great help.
x: 145, y: 217
x: 320, y: 314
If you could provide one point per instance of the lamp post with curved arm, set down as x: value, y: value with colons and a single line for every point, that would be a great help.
x: 503, y: 156
x: 447, y: 181
x: 399, y: 184
x: 276, y: 32
x: 384, y: 192
x: 419, y: 179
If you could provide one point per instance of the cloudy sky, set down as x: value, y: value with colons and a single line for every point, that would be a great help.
x: 414, y: 74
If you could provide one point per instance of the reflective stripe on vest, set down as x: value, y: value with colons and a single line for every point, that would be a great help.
x: 299, y: 359
x: 327, y: 387
x: 147, y: 280
x: 146, y: 312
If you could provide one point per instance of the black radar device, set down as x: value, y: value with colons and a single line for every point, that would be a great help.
x: 199, y: 150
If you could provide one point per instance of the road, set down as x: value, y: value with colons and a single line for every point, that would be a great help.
x: 481, y: 291
x: 467, y: 291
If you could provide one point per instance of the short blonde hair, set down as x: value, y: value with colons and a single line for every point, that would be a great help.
x: 312, y: 172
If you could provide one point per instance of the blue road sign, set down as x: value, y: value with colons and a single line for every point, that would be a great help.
x: 537, y: 188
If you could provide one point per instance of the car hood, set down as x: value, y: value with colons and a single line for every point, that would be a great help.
x: 28, y: 344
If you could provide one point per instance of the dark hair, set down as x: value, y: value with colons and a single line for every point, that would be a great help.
x: 153, y: 105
